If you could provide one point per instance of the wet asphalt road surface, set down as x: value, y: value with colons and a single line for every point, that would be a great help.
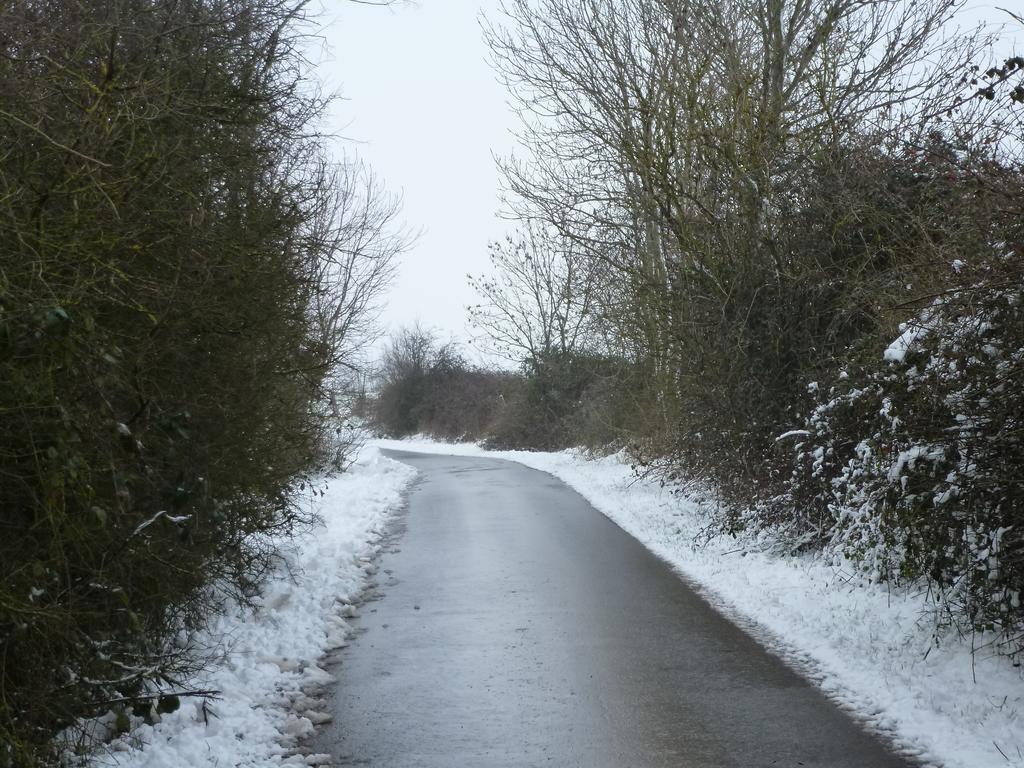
x: 513, y: 625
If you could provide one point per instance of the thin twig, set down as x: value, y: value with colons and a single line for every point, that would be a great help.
x: 53, y: 141
x: 150, y: 696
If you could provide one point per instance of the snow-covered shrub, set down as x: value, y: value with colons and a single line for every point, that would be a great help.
x: 914, y: 467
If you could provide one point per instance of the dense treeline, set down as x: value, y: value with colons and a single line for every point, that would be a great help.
x: 791, y: 232
x: 556, y: 401
x: 749, y: 201
x: 182, y: 278
x: 427, y: 387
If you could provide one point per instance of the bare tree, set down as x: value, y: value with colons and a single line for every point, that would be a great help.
x: 539, y: 300
x: 675, y: 142
x: 648, y: 127
x: 356, y: 234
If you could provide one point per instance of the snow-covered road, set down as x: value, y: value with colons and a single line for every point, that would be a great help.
x: 872, y: 649
x: 517, y: 626
x: 869, y: 649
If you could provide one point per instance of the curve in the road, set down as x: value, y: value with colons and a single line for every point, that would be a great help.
x: 516, y: 626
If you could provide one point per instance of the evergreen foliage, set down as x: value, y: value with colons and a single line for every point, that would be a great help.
x: 164, y: 334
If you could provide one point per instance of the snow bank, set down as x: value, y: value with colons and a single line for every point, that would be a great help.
x: 269, y: 678
x: 871, y: 650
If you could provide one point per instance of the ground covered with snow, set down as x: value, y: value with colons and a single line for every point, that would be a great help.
x: 872, y: 649
x: 269, y: 680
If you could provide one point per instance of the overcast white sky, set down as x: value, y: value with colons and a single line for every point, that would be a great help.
x: 423, y: 108
x: 426, y: 112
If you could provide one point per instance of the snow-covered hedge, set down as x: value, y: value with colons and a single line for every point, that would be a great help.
x: 912, y: 466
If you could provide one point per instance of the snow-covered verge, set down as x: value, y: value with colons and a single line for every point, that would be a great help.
x: 873, y: 650
x: 268, y: 677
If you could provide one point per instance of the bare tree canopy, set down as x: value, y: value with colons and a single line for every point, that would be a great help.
x: 539, y: 299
